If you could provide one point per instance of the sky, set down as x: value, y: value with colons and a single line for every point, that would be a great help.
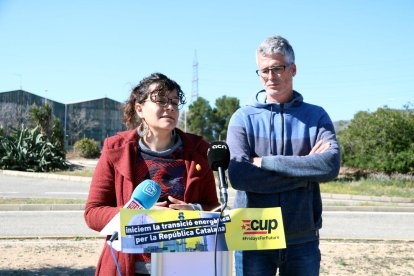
x: 351, y: 55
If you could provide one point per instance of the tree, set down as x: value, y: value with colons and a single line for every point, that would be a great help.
x: 78, y: 124
x: 58, y: 136
x: 199, y: 119
x: 382, y: 140
x: 49, y: 126
x: 43, y: 118
x: 13, y: 116
x: 225, y: 107
x: 211, y: 123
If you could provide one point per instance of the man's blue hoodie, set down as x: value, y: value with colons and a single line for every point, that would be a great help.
x: 283, y: 134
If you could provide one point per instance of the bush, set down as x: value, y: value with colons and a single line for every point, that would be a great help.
x: 87, y: 148
x: 29, y: 150
x: 380, y: 141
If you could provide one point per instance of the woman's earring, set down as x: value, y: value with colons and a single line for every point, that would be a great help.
x: 143, y: 129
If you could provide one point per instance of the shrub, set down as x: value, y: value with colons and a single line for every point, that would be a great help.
x: 380, y: 141
x: 87, y: 148
x: 29, y: 150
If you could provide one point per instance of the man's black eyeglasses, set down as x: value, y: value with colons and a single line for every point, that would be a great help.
x: 275, y: 70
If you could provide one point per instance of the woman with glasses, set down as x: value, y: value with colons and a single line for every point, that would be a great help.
x: 152, y: 148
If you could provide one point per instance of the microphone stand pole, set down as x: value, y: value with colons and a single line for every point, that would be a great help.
x: 224, y: 198
x: 223, y: 188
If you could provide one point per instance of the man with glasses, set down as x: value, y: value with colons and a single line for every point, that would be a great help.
x: 281, y: 148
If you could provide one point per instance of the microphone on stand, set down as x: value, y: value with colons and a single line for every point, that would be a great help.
x: 218, y: 156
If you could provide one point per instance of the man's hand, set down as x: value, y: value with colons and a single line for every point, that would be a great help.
x: 320, y: 147
x: 257, y: 161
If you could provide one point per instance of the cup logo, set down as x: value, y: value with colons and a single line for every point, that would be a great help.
x: 259, y: 227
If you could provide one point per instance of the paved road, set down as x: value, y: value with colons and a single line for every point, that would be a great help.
x: 12, y: 186
x: 368, y: 225
x: 43, y: 223
x: 20, y: 186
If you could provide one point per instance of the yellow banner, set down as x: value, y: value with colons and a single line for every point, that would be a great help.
x: 158, y: 231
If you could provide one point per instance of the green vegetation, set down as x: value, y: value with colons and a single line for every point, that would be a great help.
x: 38, y: 149
x: 211, y: 123
x: 380, y: 141
x: 29, y: 150
x: 84, y: 173
x: 371, y: 187
x: 48, y: 125
x: 87, y: 148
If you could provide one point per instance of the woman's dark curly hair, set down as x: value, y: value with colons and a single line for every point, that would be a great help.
x: 141, y: 92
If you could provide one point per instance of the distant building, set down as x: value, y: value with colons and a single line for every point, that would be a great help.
x: 15, y: 108
x: 94, y: 119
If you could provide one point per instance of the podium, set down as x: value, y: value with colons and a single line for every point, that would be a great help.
x: 191, y: 263
x: 184, y: 242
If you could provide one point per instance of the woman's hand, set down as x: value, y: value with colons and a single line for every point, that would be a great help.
x: 162, y: 205
x: 177, y: 204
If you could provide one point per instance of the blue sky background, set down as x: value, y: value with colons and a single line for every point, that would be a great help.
x: 351, y: 55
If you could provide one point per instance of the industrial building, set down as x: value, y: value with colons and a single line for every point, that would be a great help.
x: 94, y: 119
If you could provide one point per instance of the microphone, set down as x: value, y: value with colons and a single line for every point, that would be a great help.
x: 218, y: 156
x: 145, y: 195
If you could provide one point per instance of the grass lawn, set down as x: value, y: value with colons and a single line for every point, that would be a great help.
x: 84, y: 172
x: 371, y: 187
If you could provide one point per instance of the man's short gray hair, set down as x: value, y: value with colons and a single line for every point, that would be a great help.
x: 274, y: 45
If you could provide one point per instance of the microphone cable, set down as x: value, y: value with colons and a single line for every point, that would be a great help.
x: 114, y: 237
x: 223, y: 207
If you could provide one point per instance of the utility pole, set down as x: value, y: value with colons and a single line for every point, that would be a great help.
x: 194, y: 90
